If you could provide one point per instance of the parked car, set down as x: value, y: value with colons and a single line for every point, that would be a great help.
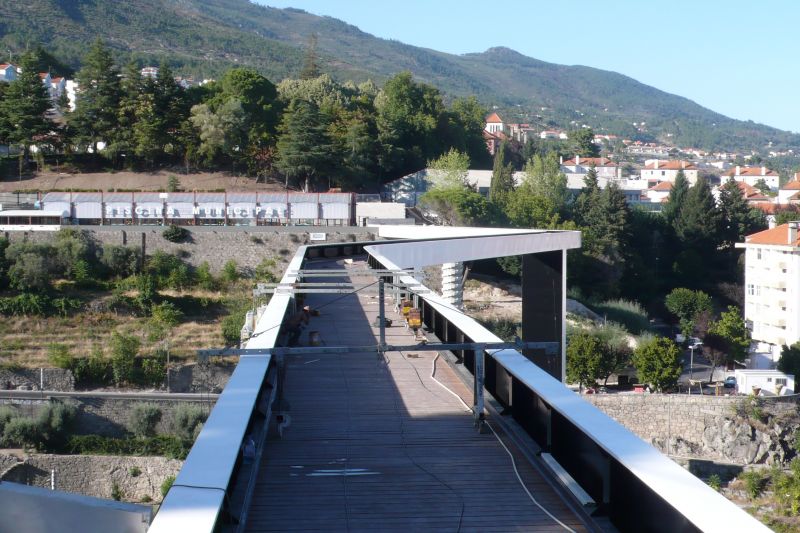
x: 730, y: 382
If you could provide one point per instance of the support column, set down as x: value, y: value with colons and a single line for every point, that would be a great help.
x: 452, y: 284
x: 544, y: 308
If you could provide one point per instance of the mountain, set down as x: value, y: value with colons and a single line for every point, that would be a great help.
x: 205, y: 37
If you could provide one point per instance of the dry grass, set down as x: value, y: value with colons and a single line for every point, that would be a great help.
x: 141, y: 181
x: 24, y: 341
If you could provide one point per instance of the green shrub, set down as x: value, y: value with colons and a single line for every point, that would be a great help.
x: 123, y: 357
x: 230, y: 271
x: 169, y: 270
x: 504, y: 328
x: 6, y: 414
x: 146, y: 498
x: 173, y: 183
x: 232, y: 327
x: 135, y: 471
x: 59, y: 356
x: 64, y: 305
x: 160, y: 446
x: 154, y: 369
x: 715, y: 482
x: 26, y: 304
x: 92, y: 370
x: 166, y: 485
x: 143, y: 420
x: 21, y: 431
x: 121, y: 261
x: 147, y: 292
x: 116, y: 492
x: 175, y: 233
x: 205, y: 280
x: 754, y: 482
x: 265, y: 271
x: 186, y: 418
x: 54, y: 423
x: 629, y: 313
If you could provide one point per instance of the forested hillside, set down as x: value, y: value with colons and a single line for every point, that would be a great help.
x: 204, y: 38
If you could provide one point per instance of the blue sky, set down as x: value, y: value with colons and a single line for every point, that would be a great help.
x: 739, y: 58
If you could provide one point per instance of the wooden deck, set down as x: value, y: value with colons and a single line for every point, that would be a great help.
x: 375, y: 444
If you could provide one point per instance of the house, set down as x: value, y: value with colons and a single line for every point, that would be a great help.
x: 57, y: 87
x: 8, y: 72
x: 579, y: 166
x: 493, y: 140
x: 790, y: 192
x: 772, y: 285
x: 668, y: 170
x: 659, y: 192
x: 494, y: 124
x: 149, y: 72
x: 553, y: 134
x: 751, y: 194
x: 752, y: 175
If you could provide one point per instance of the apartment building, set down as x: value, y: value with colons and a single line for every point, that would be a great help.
x: 772, y: 290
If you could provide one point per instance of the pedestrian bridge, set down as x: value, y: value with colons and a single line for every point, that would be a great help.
x: 369, y: 440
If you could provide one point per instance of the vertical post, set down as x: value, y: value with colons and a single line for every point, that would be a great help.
x: 478, y: 405
x: 543, y: 308
x: 381, y: 312
x: 52, y: 479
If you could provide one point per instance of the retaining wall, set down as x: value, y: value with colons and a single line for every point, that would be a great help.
x: 706, y: 427
x: 138, y: 478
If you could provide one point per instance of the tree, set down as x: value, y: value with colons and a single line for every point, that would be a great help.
x: 584, y: 354
x: 24, y: 107
x: 587, y: 199
x: 256, y: 95
x: 789, y: 362
x: 502, y: 176
x: 581, y: 143
x: 304, y: 149
x: 697, y: 222
x: 459, y: 206
x: 450, y: 170
x: 221, y: 132
x: 737, y: 219
x: 543, y: 177
x: 123, y: 354
x: 716, y: 350
x: 677, y: 195
x: 468, y: 118
x: 732, y: 328
x: 658, y: 362
x: 98, y: 97
x: 687, y: 305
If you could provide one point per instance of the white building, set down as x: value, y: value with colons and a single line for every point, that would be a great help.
x: 772, y: 290
x: 579, y: 166
x: 149, y: 72
x: 71, y: 86
x: 766, y: 382
x: 668, y: 170
x: 790, y: 192
x: 494, y: 124
x: 752, y: 175
x: 659, y: 192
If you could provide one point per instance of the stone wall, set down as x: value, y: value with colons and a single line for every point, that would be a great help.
x: 199, y: 378
x: 707, y: 427
x: 138, y: 478
x: 247, y: 245
x: 109, y: 416
x: 55, y: 379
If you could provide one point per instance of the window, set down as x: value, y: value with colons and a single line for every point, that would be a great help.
x: 753, y: 290
x: 780, y: 381
x: 758, y: 253
x: 769, y: 380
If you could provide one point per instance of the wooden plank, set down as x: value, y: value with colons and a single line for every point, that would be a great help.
x: 376, y: 444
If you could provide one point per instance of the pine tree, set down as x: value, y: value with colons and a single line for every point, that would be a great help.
x: 697, y: 223
x: 737, y: 219
x: 98, y: 95
x: 24, y: 107
x: 587, y: 199
x: 677, y: 194
x: 131, y: 87
x: 304, y: 147
x: 502, y: 176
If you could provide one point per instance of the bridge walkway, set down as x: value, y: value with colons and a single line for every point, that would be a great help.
x: 376, y: 444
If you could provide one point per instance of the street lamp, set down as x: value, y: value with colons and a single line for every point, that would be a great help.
x: 691, y: 360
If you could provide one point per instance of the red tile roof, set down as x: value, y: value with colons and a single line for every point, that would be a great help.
x: 750, y: 193
x: 767, y: 207
x: 793, y: 185
x: 671, y: 165
x: 494, y: 117
x: 751, y: 171
x: 589, y: 161
x: 662, y: 186
x: 778, y: 235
